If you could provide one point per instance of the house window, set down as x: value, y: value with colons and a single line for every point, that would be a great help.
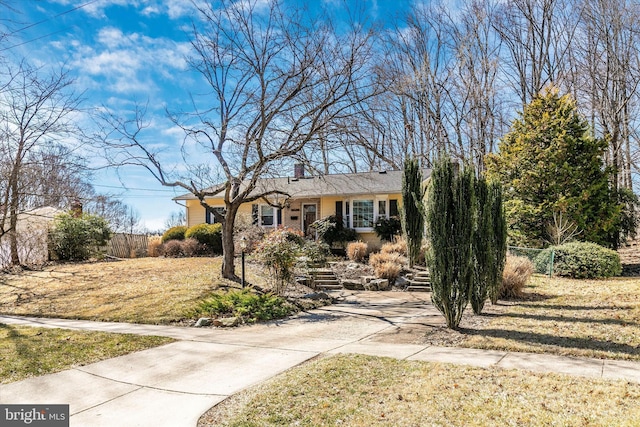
x: 393, y: 207
x: 382, y: 208
x: 212, y: 218
x: 267, y: 216
x: 363, y: 213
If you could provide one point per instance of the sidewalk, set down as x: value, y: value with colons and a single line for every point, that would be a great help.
x: 174, y: 384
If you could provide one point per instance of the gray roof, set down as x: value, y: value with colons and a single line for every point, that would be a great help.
x: 364, y: 183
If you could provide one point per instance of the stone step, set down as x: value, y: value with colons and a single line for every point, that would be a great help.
x: 328, y: 287
x: 329, y: 282
x: 325, y: 277
x: 316, y: 271
x: 418, y: 288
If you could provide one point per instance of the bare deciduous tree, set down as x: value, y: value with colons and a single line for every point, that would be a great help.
x: 537, y: 35
x: 35, y: 112
x: 607, y: 76
x: 276, y: 79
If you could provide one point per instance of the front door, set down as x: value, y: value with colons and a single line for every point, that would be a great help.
x: 309, y: 216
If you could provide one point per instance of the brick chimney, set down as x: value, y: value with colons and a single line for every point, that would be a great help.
x: 76, y: 208
x: 298, y: 170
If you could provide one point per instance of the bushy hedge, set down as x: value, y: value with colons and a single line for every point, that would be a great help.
x: 174, y: 233
x: 78, y: 238
x: 209, y: 235
x: 582, y: 260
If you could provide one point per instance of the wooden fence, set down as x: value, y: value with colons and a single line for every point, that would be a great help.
x: 123, y: 245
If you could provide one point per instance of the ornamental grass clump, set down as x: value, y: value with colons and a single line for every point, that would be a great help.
x: 398, y: 247
x: 154, y: 246
x: 387, y: 265
x: 357, y: 251
x: 516, y: 274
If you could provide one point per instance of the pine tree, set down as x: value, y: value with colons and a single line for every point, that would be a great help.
x: 413, y: 208
x: 450, y: 218
x: 549, y: 163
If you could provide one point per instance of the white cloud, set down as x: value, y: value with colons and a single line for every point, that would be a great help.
x: 126, y: 61
x: 178, y: 8
x: 97, y: 7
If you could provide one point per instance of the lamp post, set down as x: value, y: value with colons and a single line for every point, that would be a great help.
x: 243, y: 248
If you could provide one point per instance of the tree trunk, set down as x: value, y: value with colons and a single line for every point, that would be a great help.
x: 14, y: 200
x: 228, y: 248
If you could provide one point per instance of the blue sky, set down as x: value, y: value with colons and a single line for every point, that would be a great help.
x: 123, y: 52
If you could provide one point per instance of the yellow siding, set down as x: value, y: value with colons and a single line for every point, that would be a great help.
x: 195, y: 213
x: 291, y: 216
x: 328, y: 206
x: 371, y: 239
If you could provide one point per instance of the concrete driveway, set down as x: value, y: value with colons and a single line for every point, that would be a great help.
x: 174, y: 384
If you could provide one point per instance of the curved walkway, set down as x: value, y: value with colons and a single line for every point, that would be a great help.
x: 172, y: 385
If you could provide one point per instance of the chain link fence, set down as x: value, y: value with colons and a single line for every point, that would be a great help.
x: 542, y: 259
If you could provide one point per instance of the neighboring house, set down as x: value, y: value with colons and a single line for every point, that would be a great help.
x: 359, y: 198
x: 33, y: 232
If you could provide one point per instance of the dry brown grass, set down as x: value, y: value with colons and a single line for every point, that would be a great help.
x: 357, y: 251
x: 144, y: 290
x: 384, y: 257
x: 399, y: 247
x: 154, y: 247
x: 364, y: 391
x: 592, y: 318
x: 517, y: 271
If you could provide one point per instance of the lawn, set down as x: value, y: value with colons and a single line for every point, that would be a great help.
x: 354, y: 390
x: 145, y: 290
x: 591, y: 318
x: 27, y: 352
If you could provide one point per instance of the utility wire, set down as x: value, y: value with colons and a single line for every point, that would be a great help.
x: 42, y: 22
x: 52, y: 17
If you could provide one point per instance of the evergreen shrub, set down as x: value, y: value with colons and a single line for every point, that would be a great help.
x: 388, y: 228
x: 246, y: 304
x: 585, y: 260
x: 78, y: 238
x: 209, y: 235
x: 174, y: 233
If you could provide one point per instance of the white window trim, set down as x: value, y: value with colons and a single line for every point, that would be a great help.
x: 275, y: 216
x: 376, y: 213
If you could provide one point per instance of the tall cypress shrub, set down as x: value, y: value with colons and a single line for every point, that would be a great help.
x: 450, y: 218
x: 483, y: 247
x: 413, y: 208
x: 499, y: 219
x: 489, y: 243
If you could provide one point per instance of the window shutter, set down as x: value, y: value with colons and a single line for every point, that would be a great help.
x: 254, y: 214
x: 393, y: 207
